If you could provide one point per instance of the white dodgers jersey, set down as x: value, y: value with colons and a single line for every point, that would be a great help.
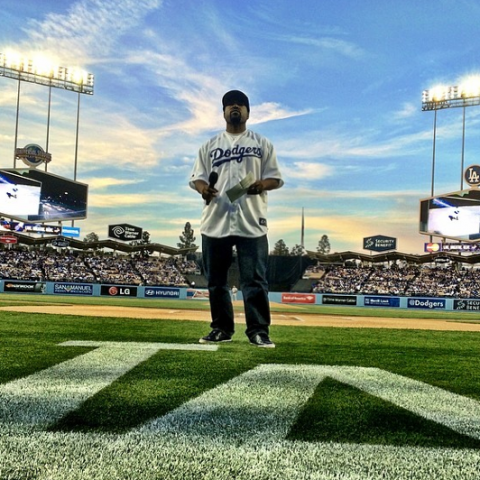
x: 233, y: 157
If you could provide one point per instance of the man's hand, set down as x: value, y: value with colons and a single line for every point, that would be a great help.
x: 261, y: 185
x: 207, y: 192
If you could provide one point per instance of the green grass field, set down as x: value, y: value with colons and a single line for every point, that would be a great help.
x: 109, y: 398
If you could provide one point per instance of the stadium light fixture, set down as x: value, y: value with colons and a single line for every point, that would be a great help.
x: 42, y: 72
x: 465, y: 94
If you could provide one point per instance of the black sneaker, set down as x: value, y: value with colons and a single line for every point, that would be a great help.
x: 215, y: 336
x: 261, y: 340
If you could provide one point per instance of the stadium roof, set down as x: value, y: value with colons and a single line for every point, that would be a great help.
x: 112, y: 244
x: 393, y: 256
x: 323, y: 258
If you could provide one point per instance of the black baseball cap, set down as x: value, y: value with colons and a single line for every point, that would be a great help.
x: 235, y: 96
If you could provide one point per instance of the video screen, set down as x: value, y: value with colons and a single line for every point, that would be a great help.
x: 453, y: 215
x: 19, y: 196
x: 57, y: 198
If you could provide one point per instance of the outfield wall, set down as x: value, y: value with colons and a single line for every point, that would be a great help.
x: 196, y: 294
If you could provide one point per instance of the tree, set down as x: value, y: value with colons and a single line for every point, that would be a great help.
x: 145, y: 240
x: 324, y: 245
x: 280, y: 248
x: 187, y: 238
x: 297, y: 251
x: 91, y: 237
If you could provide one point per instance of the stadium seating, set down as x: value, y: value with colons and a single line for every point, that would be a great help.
x: 135, y: 269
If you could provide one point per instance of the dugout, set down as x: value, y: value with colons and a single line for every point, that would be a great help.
x: 283, y: 272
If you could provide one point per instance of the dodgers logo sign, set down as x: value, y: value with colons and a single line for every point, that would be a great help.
x: 472, y: 175
x: 426, y: 303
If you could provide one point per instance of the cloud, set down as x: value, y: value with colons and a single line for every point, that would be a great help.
x: 330, y: 44
x: 408, y: 110
x: 98, y: 183
x: 362, y: 143
x: 330, y: 193
x: 114, y: 140
x: 269, y: 111
x: 8, y: 97
x: 309, y: 171
x: 200, y: 94
x: 121, y: 200
x: 89, y: 30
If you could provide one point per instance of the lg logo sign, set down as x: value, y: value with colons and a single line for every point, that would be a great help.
x: 118, y: 291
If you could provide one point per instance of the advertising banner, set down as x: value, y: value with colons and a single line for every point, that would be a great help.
x: 432, y: 247
x: 466, y: 304
x: 24, y: 286
x: 381, y: 302
x: 73, y: 288
x: 426, y: 303
x: 40, y: 228
x: 118, y: 291
x: 33, y: 155
x: 452, y: 247
x: 339, y: 300
x: 73, y: 232
x: 461, y: 247
x: 379, y: 243
x: 162, y: 292
x: 60, y: 242
x: 8, y: 239
x: 298, y: 298
x: 197, y: 294
x: 125, y: 232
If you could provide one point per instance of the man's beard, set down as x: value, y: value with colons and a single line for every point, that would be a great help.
x: 235, y: 118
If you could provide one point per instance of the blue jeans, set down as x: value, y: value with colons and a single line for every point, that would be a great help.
x: 252, y: 254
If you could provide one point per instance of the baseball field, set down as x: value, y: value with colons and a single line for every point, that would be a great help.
x: 120, y: 389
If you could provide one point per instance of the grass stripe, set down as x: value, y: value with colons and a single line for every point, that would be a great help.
x: 44, y: 397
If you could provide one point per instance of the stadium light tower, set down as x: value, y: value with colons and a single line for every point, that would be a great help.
x: 467, y: 94
x: 45, y: 73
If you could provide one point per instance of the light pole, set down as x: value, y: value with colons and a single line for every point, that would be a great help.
x: 16, y: 126
x: 76, y: 139
x: 467, y: 94
x: 432, y: 190
x: 48, y: 120
x: 39, y: 72
x: 463, y: 150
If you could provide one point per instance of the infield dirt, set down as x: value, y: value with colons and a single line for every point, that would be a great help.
x: 278, y: 318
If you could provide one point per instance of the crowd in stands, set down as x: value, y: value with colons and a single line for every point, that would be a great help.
x: 409, y: 281
x: 88, y: 267
x: 80, y: 267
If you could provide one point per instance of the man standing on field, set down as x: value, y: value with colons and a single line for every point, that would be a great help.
x: 237, y: 159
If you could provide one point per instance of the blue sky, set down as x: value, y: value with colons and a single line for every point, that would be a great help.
x: 336, y: 85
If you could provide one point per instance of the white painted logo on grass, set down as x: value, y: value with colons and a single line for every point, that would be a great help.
x: 236, y: 430
x: 43, y: 398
